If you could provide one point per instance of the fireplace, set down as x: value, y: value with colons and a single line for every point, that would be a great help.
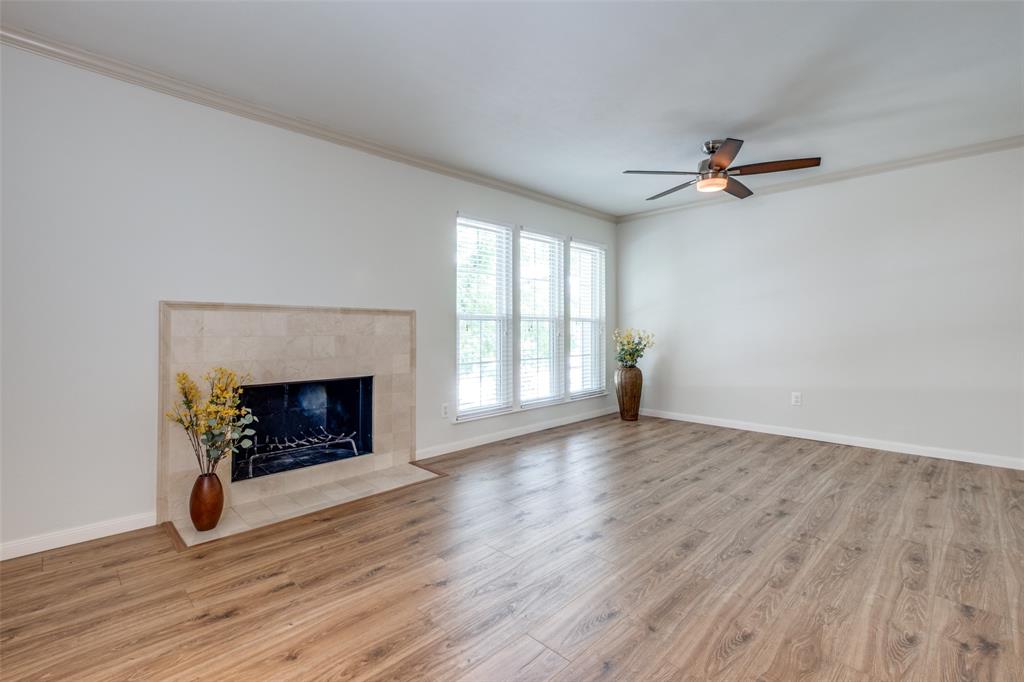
x: 305, y: 423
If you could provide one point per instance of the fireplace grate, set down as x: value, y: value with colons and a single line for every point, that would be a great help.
x: 292, y: 445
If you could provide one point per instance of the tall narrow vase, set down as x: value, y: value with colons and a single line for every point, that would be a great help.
x: 629, y: 382
x: 206, y: 502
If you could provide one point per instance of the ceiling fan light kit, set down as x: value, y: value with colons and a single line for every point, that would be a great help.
x: 712, y: 181
x: 714, y: 173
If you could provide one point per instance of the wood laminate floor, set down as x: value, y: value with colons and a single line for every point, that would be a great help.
x: 602, y: 550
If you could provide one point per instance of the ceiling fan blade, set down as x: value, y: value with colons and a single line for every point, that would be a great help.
x: 776, y: 166
x: 737, y: 189
x: 674, y: 189
x: 725, y: 154
x: 661, y: 172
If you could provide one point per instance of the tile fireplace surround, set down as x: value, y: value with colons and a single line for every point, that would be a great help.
x: 280, y: 344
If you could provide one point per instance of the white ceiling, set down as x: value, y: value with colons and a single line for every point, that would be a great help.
x: 561, y: 97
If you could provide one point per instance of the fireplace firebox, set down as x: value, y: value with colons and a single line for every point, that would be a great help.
x: 305, y: 423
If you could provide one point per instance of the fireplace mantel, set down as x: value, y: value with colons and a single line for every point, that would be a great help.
x: 274, y: 344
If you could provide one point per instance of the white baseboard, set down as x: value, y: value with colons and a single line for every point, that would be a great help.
x: 71, y: 536
x: 455, y: 446
x: 842, y: 439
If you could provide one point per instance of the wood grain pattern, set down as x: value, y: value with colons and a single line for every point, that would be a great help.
x: 604, y: 550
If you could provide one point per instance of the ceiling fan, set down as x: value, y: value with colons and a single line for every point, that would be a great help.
x: 714, y: 174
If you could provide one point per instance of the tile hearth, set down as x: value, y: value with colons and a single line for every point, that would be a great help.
x: 250, y: 515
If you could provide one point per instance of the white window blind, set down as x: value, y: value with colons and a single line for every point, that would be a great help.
x: 484, y: 304
x: 541, y: 318
x: 586, y: 320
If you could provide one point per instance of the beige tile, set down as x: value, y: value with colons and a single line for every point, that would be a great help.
x: 187, y: 349
x: 382, y: 385
x: 383, y: 443
x: 255, y: 513
x: 298, y: 347
x: 329, y: 368
x: 186, y: 322
x: 403, y: 441
x: 297, y: 370
x: 364, y: 484
x: 400, y: 364
x: 323, y: 347
x: 383, y: 420
x: 231, y: 522
x: 218, y: 349
x: 401, y: 417
x: 311, y: 497
x: 274, y: 324
x: 231, y: 323
x: 282, y: 505
x: 414, y: 473
x: 190, y: 536
x: 338, y: 493
x: 270, y: 347
x: 300, y: 323
x: 401, y: 400
x: 268, y: 371
x: 246, y: 348
x: 402, y: 382
x: 362, y: 324
x: 396, y: 476
x: 392, y: 325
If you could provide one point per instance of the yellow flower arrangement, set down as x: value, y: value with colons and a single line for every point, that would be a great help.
x: 218, y: 425
x: 630, y: 345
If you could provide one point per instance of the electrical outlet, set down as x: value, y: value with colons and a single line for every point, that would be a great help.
x: 444, y: 410
x: 796, y: 398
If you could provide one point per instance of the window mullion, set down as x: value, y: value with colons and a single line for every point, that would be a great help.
x: 516, y: 332
x: 566, y: 316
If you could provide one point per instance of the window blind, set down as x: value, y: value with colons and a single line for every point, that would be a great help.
x: 541, y: 318
x: 484, y: 310
x: 586, y: 320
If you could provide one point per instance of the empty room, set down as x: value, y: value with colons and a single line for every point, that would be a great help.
x: 512, y: 341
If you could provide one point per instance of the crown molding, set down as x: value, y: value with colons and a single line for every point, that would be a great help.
x: 113, y: 68
x: 1001, y: 144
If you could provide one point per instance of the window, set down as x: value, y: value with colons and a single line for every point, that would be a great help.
x: 586, y: 323
x: 485, y: 317
x: 516, y: 347
x: 541, y: 320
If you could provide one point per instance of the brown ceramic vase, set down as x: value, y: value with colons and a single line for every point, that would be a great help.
x: 629, y: 382
x: 206, y: 502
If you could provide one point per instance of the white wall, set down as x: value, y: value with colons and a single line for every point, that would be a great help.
x: 894, y: 303
x: 116, y: 197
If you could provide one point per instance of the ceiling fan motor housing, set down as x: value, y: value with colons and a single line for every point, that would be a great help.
x: 711, y: 146
x: 706, y: 171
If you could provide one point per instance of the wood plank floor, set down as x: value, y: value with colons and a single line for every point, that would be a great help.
x: 602, y: 550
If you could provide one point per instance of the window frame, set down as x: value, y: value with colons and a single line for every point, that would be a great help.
x: 601, y: 321
x: 518, y: 322
x: 567, y: 241
x: 509, y: 339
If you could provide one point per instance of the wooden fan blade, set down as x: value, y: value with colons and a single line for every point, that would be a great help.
x: 674, y: 189
x: 737, y: 189
x: 725, y: 154
x: 662, y: 172
x: 775, y: 166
